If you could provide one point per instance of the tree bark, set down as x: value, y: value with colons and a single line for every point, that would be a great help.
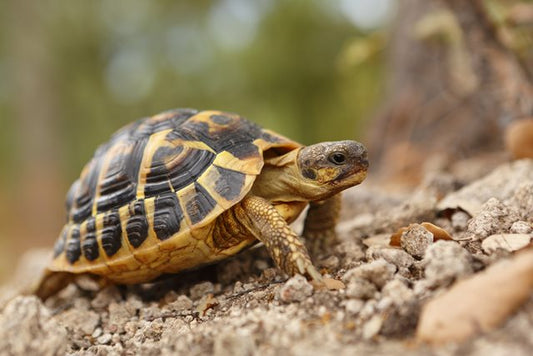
x: 454, y: 87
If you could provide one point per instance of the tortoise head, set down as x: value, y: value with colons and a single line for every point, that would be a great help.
x: 329, y: 167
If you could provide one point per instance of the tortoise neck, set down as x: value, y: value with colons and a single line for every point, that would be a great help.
x: 278, y: 180
x: 281, y: 181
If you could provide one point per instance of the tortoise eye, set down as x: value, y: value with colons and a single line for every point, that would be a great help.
x: 337, y: 158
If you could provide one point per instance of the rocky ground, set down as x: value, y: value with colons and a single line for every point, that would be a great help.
x: 461, y: 285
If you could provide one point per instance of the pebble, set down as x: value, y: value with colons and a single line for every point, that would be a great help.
x: 372, y: 327
x: 460, y: 220
x: 378, y: 272
x: 97, y: 332
x: 521, y: 227
x: 493, y: 218
x: 353, y: 306
x: 415, y: 240
x: 181, y: 303
x: 104, y: 339
x: 395, y: 256
x: 399, y: 293
x: 296, y: 289
x: 199, y: 290
x: 444, y: 262
x: 360, y: 289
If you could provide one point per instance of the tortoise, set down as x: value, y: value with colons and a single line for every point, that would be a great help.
x: 186, y: 188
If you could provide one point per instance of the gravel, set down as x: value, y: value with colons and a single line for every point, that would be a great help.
x: 245, y: 306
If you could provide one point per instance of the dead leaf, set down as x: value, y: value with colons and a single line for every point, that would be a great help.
x: 206, y: 303
x: 507, y: 242
x: 438, y: 232
x: 478, y: 303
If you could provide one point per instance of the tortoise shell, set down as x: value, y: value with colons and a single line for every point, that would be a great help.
x: 145, y: 202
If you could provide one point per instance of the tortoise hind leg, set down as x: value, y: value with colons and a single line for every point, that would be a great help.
x: 51, y: 283
x: 261, y: 219
x: 320, y: 222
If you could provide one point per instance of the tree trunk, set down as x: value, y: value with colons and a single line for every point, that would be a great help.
x: 455, y: 84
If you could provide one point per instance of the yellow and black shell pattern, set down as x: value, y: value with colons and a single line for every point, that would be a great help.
x: 148, y: 196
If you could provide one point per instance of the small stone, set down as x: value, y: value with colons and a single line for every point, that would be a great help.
x: 104, y: 339
x: 296, y: 289
x: 354, y: 306
x: 415, y: 240
x: 372, y: 327
x: 378, y: 272
x: 398, y: 292
x: 460, y: 220
x: 507, y: 242
x: 446, y: 261
x: 359, y: 288
x: 199, y: 290
x: 395, y: 256
x: 97, y: 332
x: 105, y: 297
x: 369, y: 309
x: 521, y: 227
x: 182, y: 303
x: 494, y: 217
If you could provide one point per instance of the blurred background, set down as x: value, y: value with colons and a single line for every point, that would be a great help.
x: 73, y: 72
x: 423, y: 83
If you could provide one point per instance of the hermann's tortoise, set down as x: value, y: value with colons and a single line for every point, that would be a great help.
x: 186, y: 188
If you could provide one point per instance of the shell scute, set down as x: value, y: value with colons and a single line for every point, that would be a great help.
x: 167, y: 216
x: 147, y: 198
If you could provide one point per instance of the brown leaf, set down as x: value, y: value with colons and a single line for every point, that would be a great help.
x: 206, y: 303
x: 478, y: 303
x: 438, y: 232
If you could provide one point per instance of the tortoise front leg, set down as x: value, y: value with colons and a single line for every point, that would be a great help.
x: 320, y: 222
x: 264, y: 222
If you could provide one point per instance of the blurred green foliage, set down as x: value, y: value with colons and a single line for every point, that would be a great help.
x: 73, y: 72
x: 110, y: 62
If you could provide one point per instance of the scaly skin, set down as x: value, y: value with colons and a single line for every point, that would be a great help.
x: 319, y: 227
x: 261, y: 219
